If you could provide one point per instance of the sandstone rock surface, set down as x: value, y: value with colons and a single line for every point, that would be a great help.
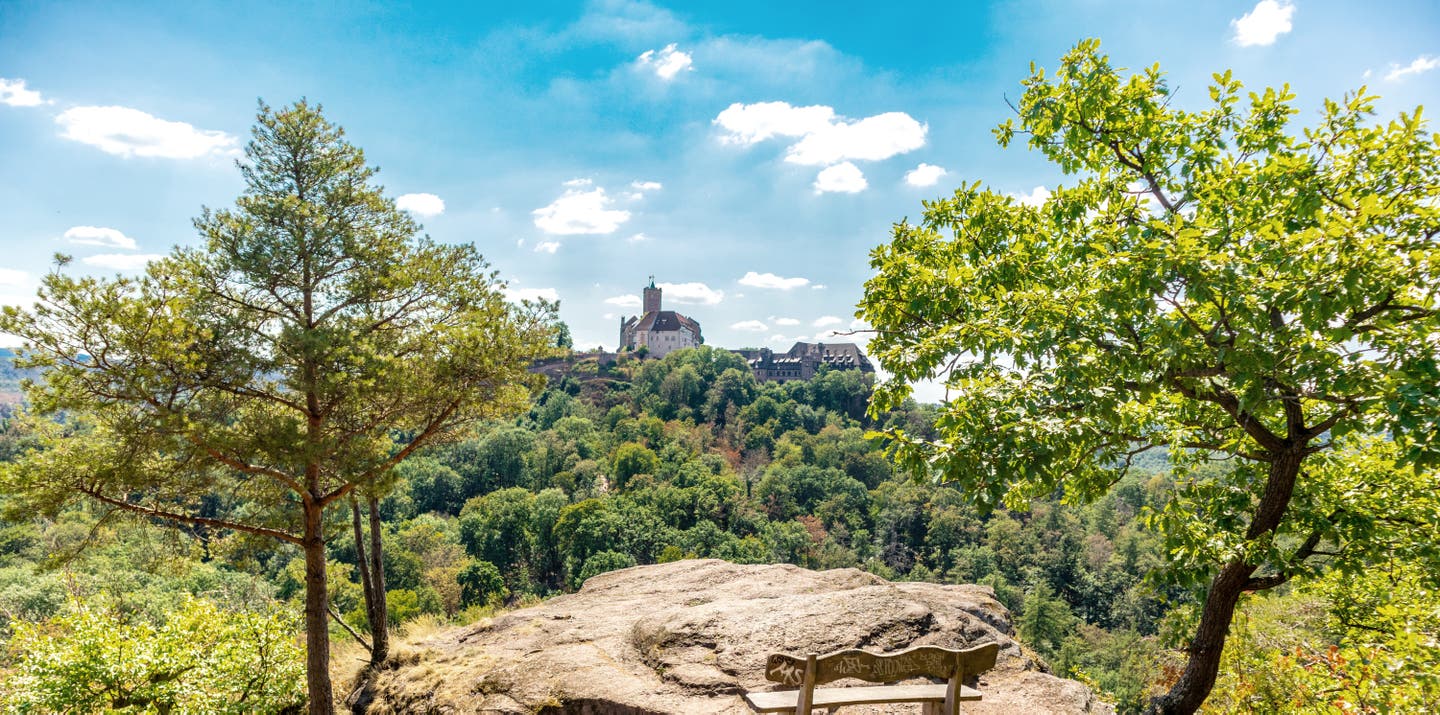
x: 692, y: 637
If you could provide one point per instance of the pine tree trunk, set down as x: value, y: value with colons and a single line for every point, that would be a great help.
x: 366, y: 581
x: 380, y: 627
x: 317, y: 627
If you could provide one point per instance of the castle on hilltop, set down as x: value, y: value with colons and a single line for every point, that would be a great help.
x: 662, y: 332
x: 658, y: 331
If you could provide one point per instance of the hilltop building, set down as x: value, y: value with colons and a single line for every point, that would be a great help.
x: 803, y: 359
x: 659, y: 331
x: 662, y: 332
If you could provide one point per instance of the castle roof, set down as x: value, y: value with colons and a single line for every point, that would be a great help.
x: 666, y: 320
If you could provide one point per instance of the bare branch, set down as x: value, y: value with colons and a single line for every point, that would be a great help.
x: 190, y: 518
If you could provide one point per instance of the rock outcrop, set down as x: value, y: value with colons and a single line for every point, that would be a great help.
x: 692, y: 636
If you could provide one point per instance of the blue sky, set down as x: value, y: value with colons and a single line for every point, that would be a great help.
x: 747, y: 154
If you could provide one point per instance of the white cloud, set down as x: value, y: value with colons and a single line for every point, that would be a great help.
x: 547, y: 247
x: 1421, y: 64
x: 667, y: 63
x: 785, y: 321
x: 99, y: 236
x: 519, y: 294
x: 14, y: 93
x: 577, y: 182
x: 580, y: 212
x: 1036, y: 197
x: 695, y: 293
x: 625, y: 301
x: 754, y: 123
x: 819, y: 286
x: 826, y: 320
x: 646, y: 185
x: 824, y: 138
x: 130, y: 132
x: 843, y: 178
x: 1267, y: 21
x: 637, y: 238
x: 872, y: 139
x: 12, y: 277
x: 753, y: 326
x: 777, y: 338
x: 121, y: 261
x: 772, y: 281
x: 421, y: 204
x: 924, y: 175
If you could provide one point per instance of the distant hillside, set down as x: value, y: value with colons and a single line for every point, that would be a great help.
x: 10, y: 377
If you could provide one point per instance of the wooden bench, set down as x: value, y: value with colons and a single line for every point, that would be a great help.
x: 926, y: 660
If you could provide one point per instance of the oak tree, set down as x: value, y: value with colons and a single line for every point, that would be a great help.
x: 312, y: 340
x: 1216, y: 283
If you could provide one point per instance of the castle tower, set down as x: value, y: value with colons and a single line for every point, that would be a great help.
x: 652, y: 298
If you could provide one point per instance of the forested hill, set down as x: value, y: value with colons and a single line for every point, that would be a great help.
x: 637, y: 462
x: 10, y: 377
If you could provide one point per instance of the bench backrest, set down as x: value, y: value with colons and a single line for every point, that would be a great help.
x: 925, y: 660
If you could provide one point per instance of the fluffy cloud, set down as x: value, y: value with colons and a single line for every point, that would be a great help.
x: 823, y: 137
x: 646, y: 185
x: 127, y: 132
x: 753, y: 123
x: 667, y: 63
x: 871, y: 139
x: 637, y: 238
x: 777, y: 338
x: 625, y: 301
x: 924, y: 175
x: 421, y: 204
x: 826, y: 320
x: 753, y: 326
x: 1036, y: 197
x: 14, y: 93
x: 547, y: 247
x: 843, y: 178
x: 785, y: 321
x: 1267, y: 21
x: 772, y: 281
x: 695, y: 293
x: 580, y: 212
x: 99, y: 236
x: 519, y: 294
x: 1421, y: 64
x: 12, y: 277
x: 121, y: 261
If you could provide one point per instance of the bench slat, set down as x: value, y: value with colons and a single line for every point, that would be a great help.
x: 783, y: 700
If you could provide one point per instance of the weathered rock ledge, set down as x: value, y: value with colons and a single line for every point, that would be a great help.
x: 692, y: 636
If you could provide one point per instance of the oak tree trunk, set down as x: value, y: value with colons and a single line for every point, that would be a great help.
x: 1198, y: 678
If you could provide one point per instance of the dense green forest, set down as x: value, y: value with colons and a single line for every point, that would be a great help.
x: 644, y: 462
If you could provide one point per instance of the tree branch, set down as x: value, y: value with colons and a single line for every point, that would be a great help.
x: 430, y: 429
x: 190, y: 519
x: 331, y: 610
